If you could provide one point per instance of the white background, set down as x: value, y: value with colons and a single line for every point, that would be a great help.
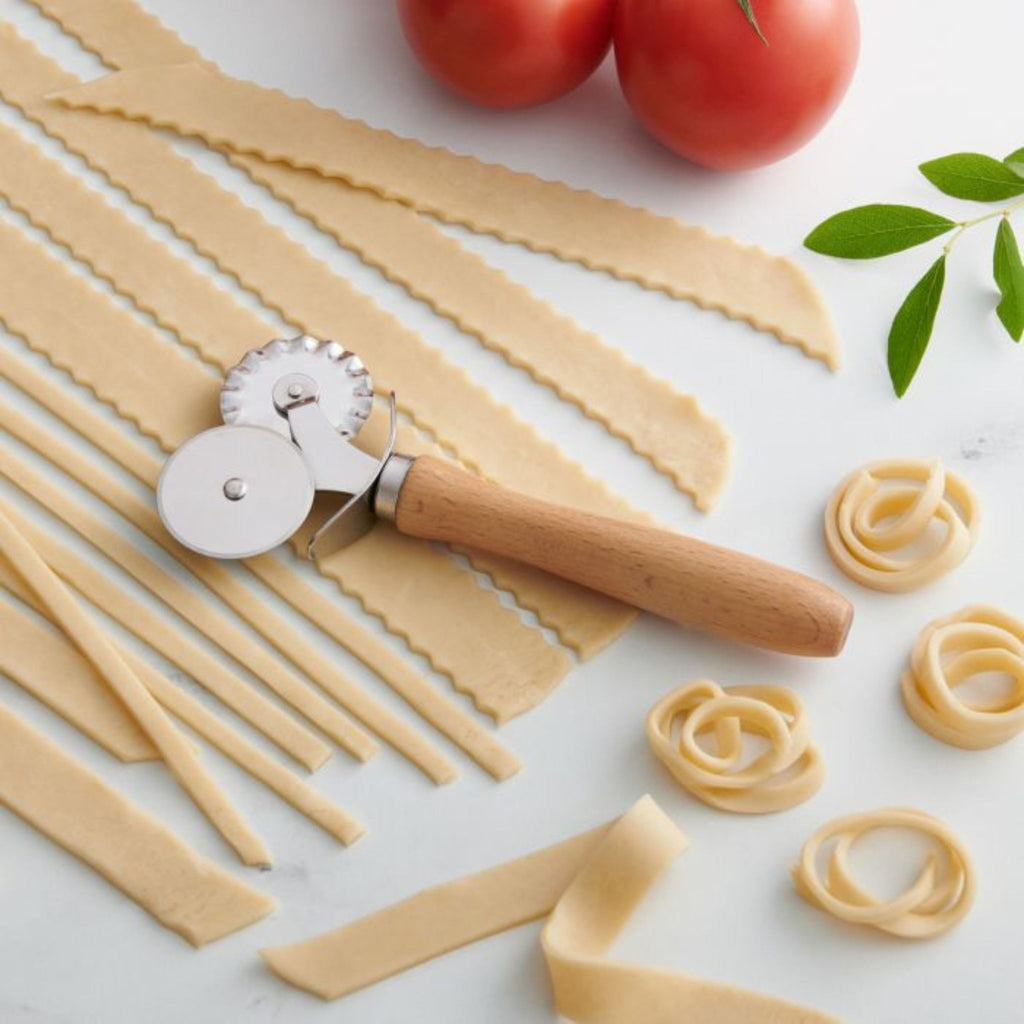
x: 933, y: 78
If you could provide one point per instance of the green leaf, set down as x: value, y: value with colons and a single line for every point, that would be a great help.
x: 876, y: 230
x: 1008, y: 271
x: 973, y: 176
x: 1015, y: 161
x: 748, y: 11
x: 912, y: 326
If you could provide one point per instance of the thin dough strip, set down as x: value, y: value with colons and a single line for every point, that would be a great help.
x: 788, y: 773
x: 937, y: 900
x: 59, y: 676
x: 291, y: 282
x: 237, y: 596
x: 688, y: 262
x: 174, y: 749
x: 195, y: 610
x: 590, y: 885
x: 427, y: 700
x: 74, y: 808
x: 949, y: 652
x: 244, y: 700
x: 664, y: 426
x: 186, y: 709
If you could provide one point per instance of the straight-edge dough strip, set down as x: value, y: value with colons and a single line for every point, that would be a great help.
x: 230, y: 590
x: 687, y: 445
x: 64, y: 681
x: 192, y: 713
x: 244, y: 700
x: 132, y: 159
x: 175, y: 751
x: 590, y: 885
x: 768, y: 292
x: 666, y: 427
x: 207, y: 320
x: 74, y: 808
x: 427, y: 700
x: 195, y: 610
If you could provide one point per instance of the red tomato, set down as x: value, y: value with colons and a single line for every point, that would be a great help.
x: 508, y: 53
x: 701, y: 81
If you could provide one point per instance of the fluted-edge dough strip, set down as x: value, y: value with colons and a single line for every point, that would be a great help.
x: 427, y: 700
x: 64, y: 681
x: 203, y: 316
x: 76, y: 809
x: 236, y: 595
x: 184, y: 707
x: 175, y: 750
x: 244, y: 700
x: 287, y: 279
x: 688, y: 262
x: 666, y: 427
x: 195, y: 610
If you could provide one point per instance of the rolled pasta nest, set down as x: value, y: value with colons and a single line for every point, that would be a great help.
x: 953, y: 650
x: 718, y: 772
x: 913, y: 506
x: 938, y: 898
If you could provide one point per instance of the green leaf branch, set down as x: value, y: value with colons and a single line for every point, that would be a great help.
x: 880, y: 229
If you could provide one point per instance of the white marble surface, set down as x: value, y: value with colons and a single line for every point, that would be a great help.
x: 933, y: 78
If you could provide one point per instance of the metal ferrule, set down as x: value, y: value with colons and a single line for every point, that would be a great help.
x: 389, y: 486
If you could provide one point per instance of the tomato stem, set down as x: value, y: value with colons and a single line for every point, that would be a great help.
x: 748, y: 12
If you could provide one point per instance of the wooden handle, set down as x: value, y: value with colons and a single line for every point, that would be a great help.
x: 685, y: 580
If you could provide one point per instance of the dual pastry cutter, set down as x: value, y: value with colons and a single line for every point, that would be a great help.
x: 291, y: 410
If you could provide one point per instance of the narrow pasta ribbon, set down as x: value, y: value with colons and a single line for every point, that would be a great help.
x: 75, y: 808
x: 939, y: 897
x: 589, y: 885
x: 788, y: 773
x: 949, y: 652
x: 687, y: 262
x: 887, y: 506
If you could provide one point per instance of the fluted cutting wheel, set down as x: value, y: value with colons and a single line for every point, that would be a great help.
x: 344, y: 389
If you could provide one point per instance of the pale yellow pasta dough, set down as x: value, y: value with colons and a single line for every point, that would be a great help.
x: 187, y: 709
x: 666, y: 427
x: 937, y: 899
x: 887, y: 506
x: 76, y: 809
x: 236, y: 596
x: 953, y: 650
x: 483, y: 433
x: 590, y: 886
x: 789, y: 772
x: 743, y: 282
x: 61, y: 678
x: 434, y: 706
x: 176, y: 752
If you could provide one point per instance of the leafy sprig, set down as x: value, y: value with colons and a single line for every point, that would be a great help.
x: 880, y: 229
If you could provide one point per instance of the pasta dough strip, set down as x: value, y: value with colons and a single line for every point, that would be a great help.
x: 490, y: 628
x: 174, y: 749
x: 63, y: 679
x: 187, y: 709
x: 269, y: 719
x: 303, y: 290
x: 200, y: 613
x: 76, y: 809
x: 664, y: 426
x: 686, y: 261
x: 427, y: 700
x: 235, y: 594
x: 590, y: 885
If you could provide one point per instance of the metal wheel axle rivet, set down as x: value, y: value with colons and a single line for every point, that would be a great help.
x: 235, y: 489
